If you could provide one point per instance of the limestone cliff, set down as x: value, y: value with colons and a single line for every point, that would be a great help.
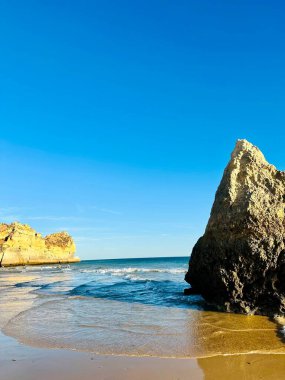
x: 239, y: 263
x: 21, y: 245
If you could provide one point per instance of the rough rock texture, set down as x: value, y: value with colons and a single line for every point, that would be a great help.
x: 21, y: 245
x: 239, y: 263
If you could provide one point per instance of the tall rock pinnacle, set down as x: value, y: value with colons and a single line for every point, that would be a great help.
x: 239, y: 262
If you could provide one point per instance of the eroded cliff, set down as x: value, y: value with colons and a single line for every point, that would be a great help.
x: 21, y: 245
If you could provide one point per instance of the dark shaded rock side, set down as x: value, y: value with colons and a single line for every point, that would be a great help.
x: 239, y: 263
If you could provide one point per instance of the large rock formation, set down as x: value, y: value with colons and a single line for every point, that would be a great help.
x: 21, y: 245
x: 239, y: 263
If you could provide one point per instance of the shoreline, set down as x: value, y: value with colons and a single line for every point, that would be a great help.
x: 196, y: 357
x: 221, y: 333
x: 29, y: 363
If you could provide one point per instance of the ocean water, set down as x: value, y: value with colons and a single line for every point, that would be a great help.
x: 124, y: 307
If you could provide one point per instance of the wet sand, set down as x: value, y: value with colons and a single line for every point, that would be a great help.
x: 18, y: 361
x: 218, y: 345
x: 26, y: 363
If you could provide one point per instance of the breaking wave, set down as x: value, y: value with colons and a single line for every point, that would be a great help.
x: 123, y: 271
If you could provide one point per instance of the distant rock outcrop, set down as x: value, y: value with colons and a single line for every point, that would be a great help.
x: 239, y: 263
x: 22, y: 245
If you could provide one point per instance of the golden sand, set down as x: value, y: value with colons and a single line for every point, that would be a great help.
x: 26, y: 363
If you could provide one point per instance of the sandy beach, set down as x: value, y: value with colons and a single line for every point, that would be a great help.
x: 142, y: 202
x: 18, y: 361
x: 43, y: 336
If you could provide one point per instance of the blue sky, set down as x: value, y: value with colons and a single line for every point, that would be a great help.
x: 118, y: 117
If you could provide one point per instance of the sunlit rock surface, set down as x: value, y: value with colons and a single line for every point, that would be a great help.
x: 239, y: 262
x: 21, y: 245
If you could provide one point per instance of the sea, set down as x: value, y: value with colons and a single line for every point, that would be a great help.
x: 124, y: 307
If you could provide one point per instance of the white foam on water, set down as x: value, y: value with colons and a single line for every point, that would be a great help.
x: 122, y: 271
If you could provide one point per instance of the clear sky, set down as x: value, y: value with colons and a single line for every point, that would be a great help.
x: 118, y: 117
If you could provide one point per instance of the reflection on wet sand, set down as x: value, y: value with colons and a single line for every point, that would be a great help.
x: 13, y: 300
x: 115, y: 327
x: 16, y: 298
x: 111, y: 327
x: 227, y: 334
x: 239, y: 367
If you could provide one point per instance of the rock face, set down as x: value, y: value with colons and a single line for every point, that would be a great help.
x: 239, y: 263
x: 21, y: 245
